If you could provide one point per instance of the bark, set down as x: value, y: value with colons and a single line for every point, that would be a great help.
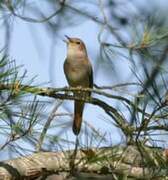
x: 102, y: 163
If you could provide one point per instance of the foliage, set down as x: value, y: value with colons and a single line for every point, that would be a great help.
x: 133, y: 48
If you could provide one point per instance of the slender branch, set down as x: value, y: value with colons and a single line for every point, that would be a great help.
x: 33, y: 20
x: 53, y: 92
x: 57, y: 93
x: 47, y: 125
x: 50, y: 92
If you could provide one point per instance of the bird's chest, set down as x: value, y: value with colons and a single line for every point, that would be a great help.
x: 76, y: 73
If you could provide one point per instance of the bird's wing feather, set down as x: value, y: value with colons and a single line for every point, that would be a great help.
x: 90, y: 76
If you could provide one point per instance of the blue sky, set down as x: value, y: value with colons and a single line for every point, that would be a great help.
x: 31, y: 45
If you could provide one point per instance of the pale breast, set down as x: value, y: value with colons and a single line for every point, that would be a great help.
x: 76, y: 73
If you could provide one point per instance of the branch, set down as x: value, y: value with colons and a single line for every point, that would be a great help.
x: 54, y: 93
x: 57, y: 93
x: 108, y: 161
x: 33, y: 20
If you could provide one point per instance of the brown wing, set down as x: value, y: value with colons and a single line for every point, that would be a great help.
x: 90, y: 72
x: 66, y: 64
x: 90, y: 77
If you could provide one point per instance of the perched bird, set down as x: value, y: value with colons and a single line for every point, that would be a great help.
x: 78, y: 72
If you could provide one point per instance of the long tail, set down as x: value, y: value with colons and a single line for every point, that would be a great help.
x: 78, y: 112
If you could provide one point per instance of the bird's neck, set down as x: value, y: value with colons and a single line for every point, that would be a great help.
x: 72, y: 54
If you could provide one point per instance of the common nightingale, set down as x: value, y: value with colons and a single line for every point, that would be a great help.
x: 78, y: 72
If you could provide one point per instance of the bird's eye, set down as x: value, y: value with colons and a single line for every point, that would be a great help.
x: 78, y: 42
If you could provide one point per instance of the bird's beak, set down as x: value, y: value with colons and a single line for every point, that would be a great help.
x: 68, y: 39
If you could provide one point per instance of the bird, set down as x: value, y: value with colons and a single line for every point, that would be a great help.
x: 79, y: 73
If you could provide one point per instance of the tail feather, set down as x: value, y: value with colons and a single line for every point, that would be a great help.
x: 78, y: 112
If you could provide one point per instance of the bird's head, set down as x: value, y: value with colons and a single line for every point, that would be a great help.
x: 75, y: 48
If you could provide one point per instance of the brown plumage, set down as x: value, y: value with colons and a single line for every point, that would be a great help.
x: 78, y: 71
